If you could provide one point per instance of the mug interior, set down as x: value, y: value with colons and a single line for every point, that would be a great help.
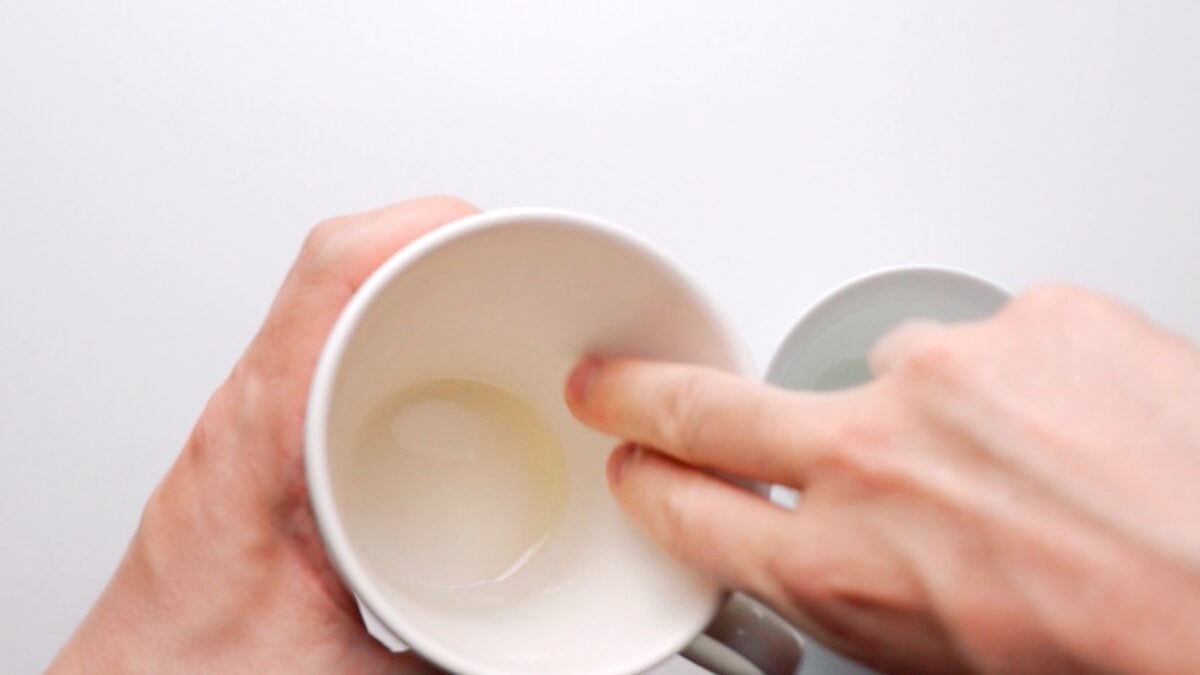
x: 513, y: 300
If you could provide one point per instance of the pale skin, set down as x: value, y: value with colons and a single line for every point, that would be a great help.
x: 1017, y: 495
x: 226, y: 573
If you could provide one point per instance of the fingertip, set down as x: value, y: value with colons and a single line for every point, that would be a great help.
x: 580, y: 381
x: 619, y: 460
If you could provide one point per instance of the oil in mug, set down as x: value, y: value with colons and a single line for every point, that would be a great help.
x: 461, y: 483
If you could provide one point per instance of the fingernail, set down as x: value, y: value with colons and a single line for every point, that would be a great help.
x: 620, y: 460
x: 581, y: 379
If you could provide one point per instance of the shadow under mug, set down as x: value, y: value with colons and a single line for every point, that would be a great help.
x: 508, y: 302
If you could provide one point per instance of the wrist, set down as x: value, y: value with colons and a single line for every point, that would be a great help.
x: 223, y: 574
x: 126, y: 630
x: 166, y: 609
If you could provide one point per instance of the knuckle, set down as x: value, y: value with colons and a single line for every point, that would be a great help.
x: 894, y: 345
x: 219, y: 423
x: 1053, y: 294
x: 888, y: 341
x: 934, y: 359
x: 1057, y: 300
x: 864, y: 458
x: 812, y: 578
x: 325, y: 243
x: 842, y: 591
x: 853, y: 451
x: 677, y: 505
x: 1044, y: 299
x: 819, y: 585
x: 678, y: 427
x: 449, y: 205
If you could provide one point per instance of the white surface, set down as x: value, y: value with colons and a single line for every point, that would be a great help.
x: 159, y: 163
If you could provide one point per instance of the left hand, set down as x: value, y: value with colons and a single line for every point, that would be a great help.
x: 226, y: 572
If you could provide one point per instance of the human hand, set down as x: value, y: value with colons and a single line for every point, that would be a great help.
x: 226, y: 572
x: 1017, y: 495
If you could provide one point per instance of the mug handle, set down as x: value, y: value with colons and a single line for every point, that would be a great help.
x: 377, y: 630
x: 745, y: 638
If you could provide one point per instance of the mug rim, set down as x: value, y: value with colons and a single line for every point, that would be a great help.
x: 851, y: 285
x: 317, y: 475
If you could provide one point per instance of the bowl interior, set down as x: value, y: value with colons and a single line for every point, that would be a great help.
x: 828, y: 346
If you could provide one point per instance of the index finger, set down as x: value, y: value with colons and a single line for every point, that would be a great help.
x: 711, y: 418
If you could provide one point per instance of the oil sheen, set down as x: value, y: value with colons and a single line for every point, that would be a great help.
x: 459, y: 484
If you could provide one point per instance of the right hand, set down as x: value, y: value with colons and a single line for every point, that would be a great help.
x: 1016, y: 495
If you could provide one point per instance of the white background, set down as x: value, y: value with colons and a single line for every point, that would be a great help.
x: 161, y: 161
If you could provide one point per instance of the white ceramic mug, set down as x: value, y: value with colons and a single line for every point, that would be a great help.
x: 522, y: 566
x: 828, y: 345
